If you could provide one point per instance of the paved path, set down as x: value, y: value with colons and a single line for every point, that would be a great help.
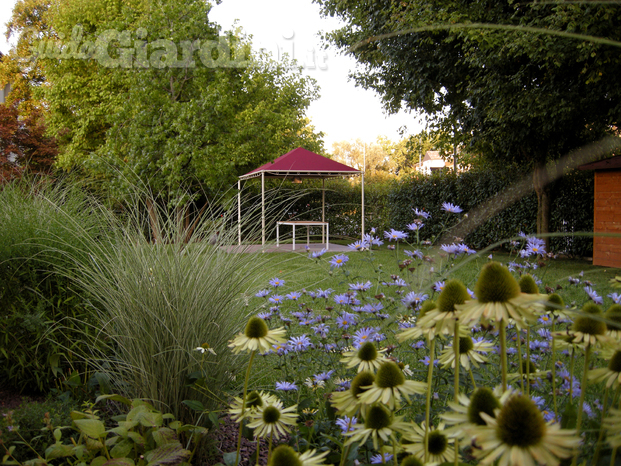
x: 299, y: 248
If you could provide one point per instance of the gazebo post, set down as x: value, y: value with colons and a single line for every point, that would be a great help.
x: 239, y: 212
x: 362, y: 232
x: 323, y: 208
x: 262, y: 208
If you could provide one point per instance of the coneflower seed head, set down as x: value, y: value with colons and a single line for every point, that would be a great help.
x: 496, y: 284
x: 256, y: 328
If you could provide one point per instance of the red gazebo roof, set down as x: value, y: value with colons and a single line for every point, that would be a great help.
x: 301, y: 163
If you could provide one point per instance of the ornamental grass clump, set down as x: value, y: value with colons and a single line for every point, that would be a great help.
x: 157, y: 287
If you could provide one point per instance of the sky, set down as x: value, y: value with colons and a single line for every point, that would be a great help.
x: 344, y: 111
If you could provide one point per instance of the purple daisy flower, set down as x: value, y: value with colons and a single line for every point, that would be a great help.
x: 346, y: 424
x: 616, y: 297
x: 286, y: 386
x: 395, y: 235
x: 413, y: 254
x: 276, y: 282
x: 597, y: 299
x: 293, y: 296
x: 345, y: 320
x: 338, y: 260
x: 415, y: 226
x: 454, y: 209
x: 276, y: 299
x: 299, y: 344
x: 262, y: 293
x: 360, y: 286
x: 317, y: 254
x: 421, y: 213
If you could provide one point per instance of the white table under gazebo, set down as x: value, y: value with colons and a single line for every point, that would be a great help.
x: 297, y: 165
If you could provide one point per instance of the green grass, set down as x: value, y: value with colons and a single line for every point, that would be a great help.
x: 302, y: 273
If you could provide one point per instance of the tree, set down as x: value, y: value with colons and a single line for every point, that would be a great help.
x: 522, y: 82
x: 24, y: 147
x: 152, y: 91
x: 356, y: 153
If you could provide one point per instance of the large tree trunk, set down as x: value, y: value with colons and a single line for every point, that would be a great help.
x: 542, y: 188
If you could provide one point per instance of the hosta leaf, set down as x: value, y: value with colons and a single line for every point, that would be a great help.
x: 169, y: 454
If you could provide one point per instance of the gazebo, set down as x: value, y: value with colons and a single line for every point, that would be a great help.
x: 297, y: 165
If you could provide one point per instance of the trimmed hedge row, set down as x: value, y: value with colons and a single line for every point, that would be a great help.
x: 571, y: 207
x: 389, y: 204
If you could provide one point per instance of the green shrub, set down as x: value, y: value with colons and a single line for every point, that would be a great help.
x: 27, y: 423
x: 36, y: 217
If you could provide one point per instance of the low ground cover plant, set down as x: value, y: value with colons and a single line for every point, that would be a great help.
x: 402, y: 368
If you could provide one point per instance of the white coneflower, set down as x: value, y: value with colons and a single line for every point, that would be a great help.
x: 254, y: 401
x: 273, y: 419
x: 519, y: 436
x: 588, y: 328
x: 466, y: 413
x: 499, y: 298
x: 284, y: 455
x: 348, y: 402
x: 390, y: 385
x: 469, y: 352
x: 441, y: 320
x: 367, y: 357
x: 379, y: 424
x: 611, y: 374
x: 438, y: 441
x: 257, y: 336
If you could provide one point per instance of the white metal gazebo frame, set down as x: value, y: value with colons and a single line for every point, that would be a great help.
x: 298, y: 164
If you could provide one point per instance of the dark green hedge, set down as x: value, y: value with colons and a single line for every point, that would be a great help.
x: 571, y: 207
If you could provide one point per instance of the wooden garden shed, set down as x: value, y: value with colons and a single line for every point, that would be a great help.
x: 607, y: 211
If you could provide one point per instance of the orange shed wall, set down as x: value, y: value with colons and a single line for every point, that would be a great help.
x: 607, y: 250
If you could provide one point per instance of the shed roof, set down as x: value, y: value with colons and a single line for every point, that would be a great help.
x: 613, y: 163
x: 301, y: 163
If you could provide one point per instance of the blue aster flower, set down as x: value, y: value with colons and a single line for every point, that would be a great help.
x: 346, y: 319
x: 317, y: 254
x: 415, y: 226
x: 454, y: 209
x: 360, y: 286
x: 395, y: 235
x: 276, y: 282
x: 299, y: 344
x: 346, y: 424
x: 439, y: 286
x: 413, y: 299
x: 338, y: 260
x: 276, y: 299
x: 377, y: 459
x: 358, y: 245
x: 413, y: 254
x: 597, y: 299
x: 324, y: 375
x: 616, y: 297
x: 321, y: 330
x: 262, y: 293
x: 363, y: 335
x: 421, y: 213
x: 293, y: 296
x: 286, y: 386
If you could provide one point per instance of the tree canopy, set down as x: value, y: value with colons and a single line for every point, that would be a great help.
x: 152, y: 90
x: 524, y: 82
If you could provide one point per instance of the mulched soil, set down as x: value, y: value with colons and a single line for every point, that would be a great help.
x: 10, y: 399
x: 226, y: 441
